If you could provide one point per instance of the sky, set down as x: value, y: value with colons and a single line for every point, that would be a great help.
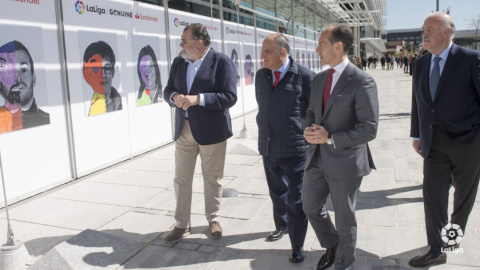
x: 407, y: 14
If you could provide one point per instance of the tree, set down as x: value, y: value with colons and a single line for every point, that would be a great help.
x: 475, y: 23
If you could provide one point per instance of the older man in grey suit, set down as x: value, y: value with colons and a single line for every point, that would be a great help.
x: 341, y: 118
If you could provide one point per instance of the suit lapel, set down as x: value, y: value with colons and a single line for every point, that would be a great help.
x: 203, y: 71
x: 342, y: 82
x: 183, y: 70
x: 447, y: 68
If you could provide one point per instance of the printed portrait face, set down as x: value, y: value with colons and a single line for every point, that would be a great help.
x: 248, y: 67
x: 98, y: 72
x: 147, y: 70
x: 16, y: 75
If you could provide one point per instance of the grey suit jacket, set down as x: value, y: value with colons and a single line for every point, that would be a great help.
x: 351, y: 116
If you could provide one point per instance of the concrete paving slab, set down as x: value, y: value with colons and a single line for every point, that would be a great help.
x: 410, y: 212
x: 234, y: 159
x: 38, y: 239
x: 134, y: 178
x: 249, y: 186
x: 389, y: 241
x: 166, y: 201
x: 379, y: 214
x: 114, y: 194
x: 238, y: 207
x: 89, y: 250
x: 244, y: 171
x: 66, y: 213
x: 409, y: 169
x: 140, y: 227
x: 159, y: 257
x: 259, y: 259
x: 149, y: 164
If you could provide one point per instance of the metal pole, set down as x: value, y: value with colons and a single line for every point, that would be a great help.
x: 244, y: 132
x: 10, y: 236
x: 437, y: 4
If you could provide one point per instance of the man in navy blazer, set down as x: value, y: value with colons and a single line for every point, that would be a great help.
x: 445, y: 130
x: 202, y: 87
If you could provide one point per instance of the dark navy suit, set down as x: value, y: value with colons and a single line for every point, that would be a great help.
x: 216, y: 80
x: 448, y: 128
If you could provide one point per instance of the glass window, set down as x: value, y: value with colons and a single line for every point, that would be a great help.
x: 201, y: 7
x: 298, y: 17
x: 310, y: 22
x: 266, y: 7
x: 230, y: 12
x: 153, y: 2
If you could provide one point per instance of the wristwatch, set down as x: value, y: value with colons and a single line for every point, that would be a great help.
x: 329, y: 139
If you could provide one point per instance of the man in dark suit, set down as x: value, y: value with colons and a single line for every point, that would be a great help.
x: 341, y: 118
x: 445, y: 130
x: 282, y: 90
x: 202, y: 86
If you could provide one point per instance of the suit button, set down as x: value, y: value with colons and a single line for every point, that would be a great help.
x: 433, y: 110
x: 431, y: 126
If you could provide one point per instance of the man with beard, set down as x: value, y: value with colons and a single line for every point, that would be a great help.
x: 17, y: 79
x: 202, y: 87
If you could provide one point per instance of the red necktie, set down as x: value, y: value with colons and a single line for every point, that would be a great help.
x: 277, y: 78
x: 327, y: 89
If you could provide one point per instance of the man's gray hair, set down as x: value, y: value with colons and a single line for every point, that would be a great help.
x: 282, y: 42
x: 446, y: 20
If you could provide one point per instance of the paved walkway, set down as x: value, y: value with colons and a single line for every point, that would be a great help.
x: 116, y: 218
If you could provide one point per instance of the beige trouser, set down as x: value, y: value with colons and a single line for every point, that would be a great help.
x: 213, y: 162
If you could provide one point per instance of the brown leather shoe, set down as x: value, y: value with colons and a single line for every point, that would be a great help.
x: 426, y: 259
x: 216, y: 230
x: 176, y: 234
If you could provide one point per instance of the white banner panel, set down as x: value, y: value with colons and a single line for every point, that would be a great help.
x: 179, y: 20
x: 33, y: 138
x: 100, y: 76
x: 149, y: 114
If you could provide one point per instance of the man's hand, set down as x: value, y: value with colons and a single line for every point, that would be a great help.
x: 186, y: 101
x: 416, y: 146
x: 177, y: 98
x: 315, y: 134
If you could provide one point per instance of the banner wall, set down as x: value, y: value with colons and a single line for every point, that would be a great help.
x: 33, y: 138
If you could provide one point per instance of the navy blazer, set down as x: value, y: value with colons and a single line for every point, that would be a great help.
x: 216, y: 80
x: 456, y: 107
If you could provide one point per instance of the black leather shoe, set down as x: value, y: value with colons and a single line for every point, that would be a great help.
x: 327, y: 259
x: 297, y: 255
x: 426, y: 259
x: 276, y: 235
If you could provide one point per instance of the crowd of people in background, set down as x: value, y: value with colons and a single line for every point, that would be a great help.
x: 387, y: 61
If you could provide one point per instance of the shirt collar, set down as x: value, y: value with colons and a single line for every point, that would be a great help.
x: 445, y: 52
x: 341, y: 67
x: 285, y: 66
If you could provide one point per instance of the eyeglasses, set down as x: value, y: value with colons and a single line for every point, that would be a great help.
x: 106, y: 69
x: 184, y: 41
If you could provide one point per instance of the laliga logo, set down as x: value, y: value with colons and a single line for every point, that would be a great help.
x: 227, y: 30
x: 176, y: 22
x: 452, y: 234
x: 79, y: 7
